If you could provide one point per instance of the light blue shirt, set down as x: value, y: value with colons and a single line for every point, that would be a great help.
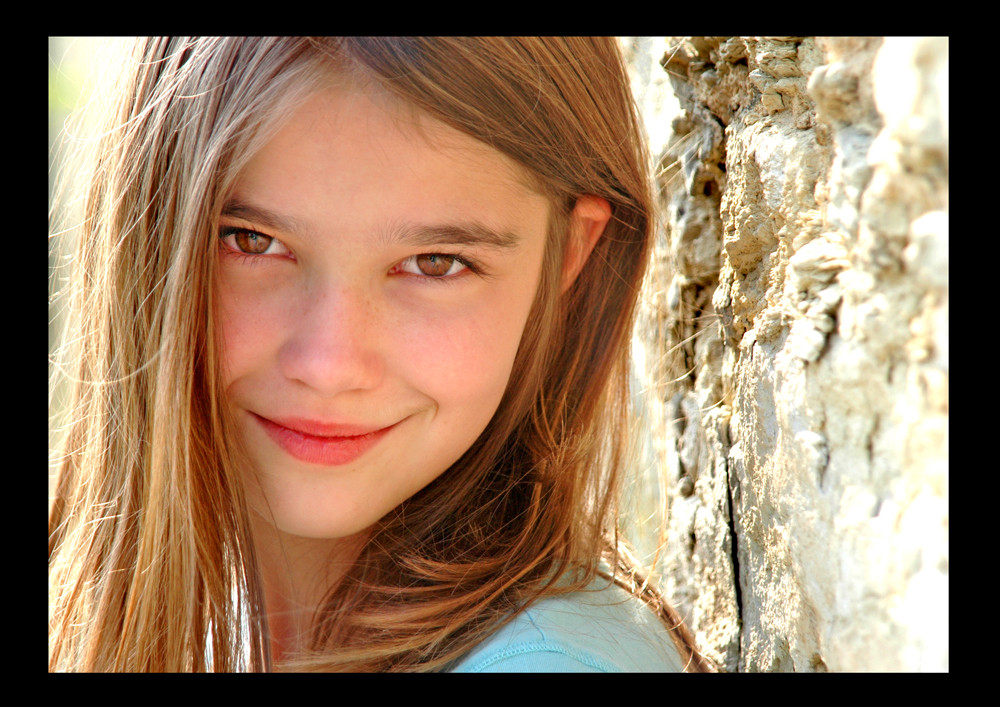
x: 603, y: 629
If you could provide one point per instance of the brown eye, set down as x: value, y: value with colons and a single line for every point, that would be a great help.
x: 250, y: 242
x: 435, y: 265
x: 244, y: 242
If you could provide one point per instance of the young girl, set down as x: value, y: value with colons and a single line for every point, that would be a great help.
x: 349, y: 351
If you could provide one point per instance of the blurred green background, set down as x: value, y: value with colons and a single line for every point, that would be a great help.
x: 74, y: 65
x: 71, y: 74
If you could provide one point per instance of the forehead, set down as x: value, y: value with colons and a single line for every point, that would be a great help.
x: 349, y: 131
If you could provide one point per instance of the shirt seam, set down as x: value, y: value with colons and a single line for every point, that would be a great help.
x: 539, y: 647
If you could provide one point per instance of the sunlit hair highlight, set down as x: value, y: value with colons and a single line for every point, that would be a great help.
x: 152, y: 566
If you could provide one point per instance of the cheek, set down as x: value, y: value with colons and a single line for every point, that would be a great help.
x: 246, y: 327
x: 464, y: 358
x: 467, y: 355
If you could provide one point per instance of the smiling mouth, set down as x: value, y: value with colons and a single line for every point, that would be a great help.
x: 321, y: 443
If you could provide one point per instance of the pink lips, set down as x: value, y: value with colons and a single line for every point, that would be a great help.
x: 322, y: 443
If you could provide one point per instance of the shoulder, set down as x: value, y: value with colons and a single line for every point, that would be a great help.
x: 601, y: 629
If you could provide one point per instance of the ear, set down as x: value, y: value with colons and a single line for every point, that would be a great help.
x: 587, y: 221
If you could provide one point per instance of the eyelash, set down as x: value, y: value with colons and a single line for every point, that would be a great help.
x: 236, y: 252
x: 258, y: 258
x: 470, y: 265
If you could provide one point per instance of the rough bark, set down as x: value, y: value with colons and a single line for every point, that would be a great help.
x: 800, y: 316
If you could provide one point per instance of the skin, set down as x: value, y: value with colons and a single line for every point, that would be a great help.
x: 331, y: 309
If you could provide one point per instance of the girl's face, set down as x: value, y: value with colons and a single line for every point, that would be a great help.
x: 376, y: 272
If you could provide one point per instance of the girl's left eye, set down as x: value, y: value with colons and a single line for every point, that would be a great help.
x: 243, y: 241
x: 435, y: 265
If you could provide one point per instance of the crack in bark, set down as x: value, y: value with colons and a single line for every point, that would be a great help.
x: 734, y: 553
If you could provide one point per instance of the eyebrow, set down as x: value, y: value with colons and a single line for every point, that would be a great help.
x: 237, y: 208
x: 460, y: 233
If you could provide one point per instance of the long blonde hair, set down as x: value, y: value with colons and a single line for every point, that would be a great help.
x: 152, y: 566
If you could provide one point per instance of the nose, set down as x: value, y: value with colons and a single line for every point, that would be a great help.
x: 333, y: 344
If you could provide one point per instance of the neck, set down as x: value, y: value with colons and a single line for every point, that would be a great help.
x: 297, y: 573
